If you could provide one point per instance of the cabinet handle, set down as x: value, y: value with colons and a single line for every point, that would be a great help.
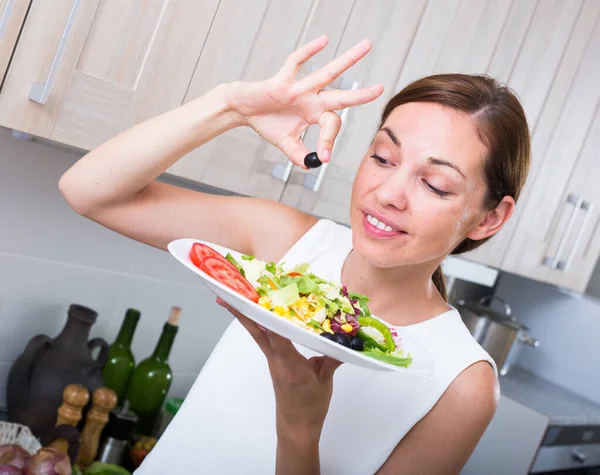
x: 555, y: 262
x: 588, y: 207
x: 40, y: 91
x: 5, y: 16
x: 313, y: 182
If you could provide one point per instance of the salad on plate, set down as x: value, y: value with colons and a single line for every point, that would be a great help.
x: 306, y: 300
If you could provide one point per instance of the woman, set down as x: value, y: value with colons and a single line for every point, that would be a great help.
x: 441, y: 176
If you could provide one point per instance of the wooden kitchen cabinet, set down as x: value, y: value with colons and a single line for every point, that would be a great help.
x: 249, y: 41
x: 541, y: 71
x: 556, y: 236
x: 412, y: 39
x: 83, y: 70
x: 12, y: 15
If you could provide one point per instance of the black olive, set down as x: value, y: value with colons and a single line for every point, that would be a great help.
x: 312, y: 160
x: 342, y: 339
x: 356, y: 343
x: 328, y: 336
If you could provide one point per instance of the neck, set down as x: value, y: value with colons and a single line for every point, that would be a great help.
x: 400, y: 295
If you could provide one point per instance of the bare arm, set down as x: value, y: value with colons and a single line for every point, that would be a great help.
x: 114, y: 184
x: 442, y: 442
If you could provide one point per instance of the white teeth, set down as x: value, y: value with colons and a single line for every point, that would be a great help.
x: 378, y: 224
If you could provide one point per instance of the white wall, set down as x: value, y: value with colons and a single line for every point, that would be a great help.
x: 51, y: 257
x: 568, y: 328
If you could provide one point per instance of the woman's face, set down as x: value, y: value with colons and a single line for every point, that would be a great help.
x: 421, y: 181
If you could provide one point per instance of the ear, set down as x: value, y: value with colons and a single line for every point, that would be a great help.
x: 493, y: 220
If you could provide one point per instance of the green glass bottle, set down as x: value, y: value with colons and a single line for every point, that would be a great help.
x: 120, y: 363
x: 151, y: 379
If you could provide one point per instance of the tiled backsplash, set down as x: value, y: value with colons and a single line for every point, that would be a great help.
x: 568, y: 328
x: 51, y: 257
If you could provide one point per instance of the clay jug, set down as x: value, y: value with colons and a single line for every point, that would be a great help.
x: 38, y: 377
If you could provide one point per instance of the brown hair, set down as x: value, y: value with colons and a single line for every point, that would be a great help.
x: 501, y: 126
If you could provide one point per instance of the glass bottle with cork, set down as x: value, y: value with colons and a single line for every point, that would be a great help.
x: 121, y: 362
x: 151, y: 379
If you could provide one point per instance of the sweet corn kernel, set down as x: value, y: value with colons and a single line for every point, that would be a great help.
x: 279, y: 311
x: 327, y: 325
x: 265, y: 302
x: 347, y: 327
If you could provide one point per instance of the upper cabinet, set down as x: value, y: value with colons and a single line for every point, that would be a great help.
x: 83, y: 70
x: 556, y: 239
x: 12, y: 15
x: 249, y: 41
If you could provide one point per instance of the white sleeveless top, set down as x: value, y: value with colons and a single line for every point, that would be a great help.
x: 226, y: 424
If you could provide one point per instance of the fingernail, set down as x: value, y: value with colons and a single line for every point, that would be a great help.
x: 261, y: 327
x: 325, y: 154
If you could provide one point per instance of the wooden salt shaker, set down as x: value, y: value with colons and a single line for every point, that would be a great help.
x: 104, y: 400
x: 75, y: 398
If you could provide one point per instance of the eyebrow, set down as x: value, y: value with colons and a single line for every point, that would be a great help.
x: 392, y: 136
x: 432, y: 160
x: 446, y: 163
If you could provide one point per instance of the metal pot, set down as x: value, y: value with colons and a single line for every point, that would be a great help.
x: 500, y: 334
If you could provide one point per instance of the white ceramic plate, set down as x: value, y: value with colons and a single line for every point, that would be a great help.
x: 422, y: 364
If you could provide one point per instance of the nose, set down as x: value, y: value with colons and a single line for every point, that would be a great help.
x: 393, y: 191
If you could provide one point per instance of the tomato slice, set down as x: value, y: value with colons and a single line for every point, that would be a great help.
x: 294, y: 274
x: 228, y: 275
x: 200, y: 251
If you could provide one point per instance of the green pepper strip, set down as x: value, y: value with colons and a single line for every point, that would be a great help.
x: 381, y: 328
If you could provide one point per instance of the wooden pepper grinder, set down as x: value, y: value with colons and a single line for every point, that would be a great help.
x: 104, y: 400
x: 75, y: 398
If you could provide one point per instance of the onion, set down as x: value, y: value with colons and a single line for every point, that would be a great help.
x: 13, y: 454
x: 48, y: 462
x: 6, y: 469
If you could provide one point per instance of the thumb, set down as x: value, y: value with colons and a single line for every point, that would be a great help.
x: 327, y: 367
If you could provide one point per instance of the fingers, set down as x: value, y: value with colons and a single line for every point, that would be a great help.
x: 329, y: 124
x: 340, y: 99
x: 256, y: 331
x: 325, y: 366
x: 294, y: 150
x: 283, y: 347
x: 332, y: 70
x: 296, y: 59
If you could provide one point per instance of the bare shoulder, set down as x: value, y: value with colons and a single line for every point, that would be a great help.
x: 454, y: 426
x: 477, y: 385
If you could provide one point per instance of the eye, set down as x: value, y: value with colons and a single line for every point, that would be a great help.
x: 438, y: 192
x: 380, y: 160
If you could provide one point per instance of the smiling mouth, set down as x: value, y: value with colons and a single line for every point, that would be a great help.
x: 380, y: 228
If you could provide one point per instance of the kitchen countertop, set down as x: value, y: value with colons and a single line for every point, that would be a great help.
x: 560, y: 405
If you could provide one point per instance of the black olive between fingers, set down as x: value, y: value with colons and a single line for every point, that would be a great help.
x: 356, y: 343
x: 342, y: 339
x: 312, y: 160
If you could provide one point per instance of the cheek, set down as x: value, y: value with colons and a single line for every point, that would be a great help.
x: 365, y: 179
x: 446, y: 225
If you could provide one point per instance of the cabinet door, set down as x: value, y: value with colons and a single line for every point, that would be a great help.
x: 539, y: 62
x: 12, y: 15
x: 574, y: 248
x: 249, y: 41
x: 548, y: 225
x: 411, y: 39
x: 391, y: 26
x: 85, y: 69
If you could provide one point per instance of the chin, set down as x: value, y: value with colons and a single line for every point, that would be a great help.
x: 378, y: 254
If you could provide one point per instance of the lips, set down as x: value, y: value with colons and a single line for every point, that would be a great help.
x: 379, y: 226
